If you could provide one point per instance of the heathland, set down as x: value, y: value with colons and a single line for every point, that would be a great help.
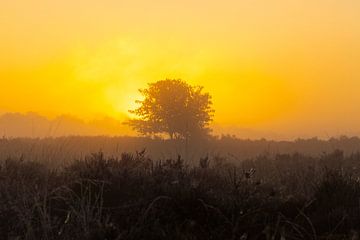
x: 141, y: 188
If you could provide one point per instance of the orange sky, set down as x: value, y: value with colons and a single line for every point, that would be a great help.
x: 285, y: 66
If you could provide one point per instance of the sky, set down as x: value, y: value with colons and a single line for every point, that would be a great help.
x: 288, y: 67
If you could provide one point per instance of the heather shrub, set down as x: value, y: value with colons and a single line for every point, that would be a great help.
x: 288, y: 196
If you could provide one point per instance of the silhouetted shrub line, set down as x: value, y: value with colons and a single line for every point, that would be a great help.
x: 288, y: 196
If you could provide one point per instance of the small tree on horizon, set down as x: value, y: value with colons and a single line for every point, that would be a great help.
x: 175, y: 108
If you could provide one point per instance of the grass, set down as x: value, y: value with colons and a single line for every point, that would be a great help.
x: 288, y: 196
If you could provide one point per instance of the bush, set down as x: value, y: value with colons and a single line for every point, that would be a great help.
x: 135, y: 197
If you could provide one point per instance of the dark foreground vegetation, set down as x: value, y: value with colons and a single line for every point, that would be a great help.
x: 134, y: 197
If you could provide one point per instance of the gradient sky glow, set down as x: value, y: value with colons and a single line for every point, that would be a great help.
x: 290, y: 67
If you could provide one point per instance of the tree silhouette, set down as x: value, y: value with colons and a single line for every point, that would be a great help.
x: 175, y: 108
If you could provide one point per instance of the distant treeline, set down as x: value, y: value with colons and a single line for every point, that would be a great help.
x: 34, y: 125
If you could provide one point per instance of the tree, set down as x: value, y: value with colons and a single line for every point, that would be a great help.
x: 175, y: 108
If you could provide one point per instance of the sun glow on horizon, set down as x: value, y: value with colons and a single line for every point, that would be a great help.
x: 271, y: 66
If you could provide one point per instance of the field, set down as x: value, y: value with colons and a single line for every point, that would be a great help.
x: 110, y: 188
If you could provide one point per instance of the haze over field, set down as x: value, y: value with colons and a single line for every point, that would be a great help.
x: 33, y: 125
x: 280, y: 69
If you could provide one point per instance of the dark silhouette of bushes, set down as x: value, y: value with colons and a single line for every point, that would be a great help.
x: 289, y: 196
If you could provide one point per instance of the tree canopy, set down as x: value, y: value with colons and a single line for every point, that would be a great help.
x: 173, y: 107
